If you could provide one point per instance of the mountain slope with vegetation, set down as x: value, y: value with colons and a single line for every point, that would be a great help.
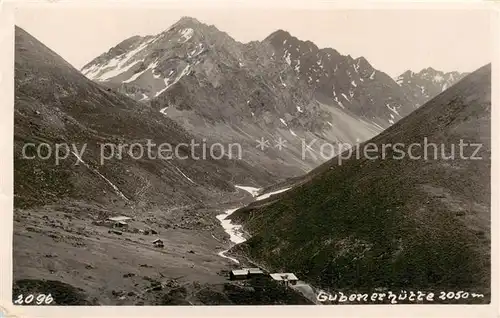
x: 56, y: 104
x: 408, y: 224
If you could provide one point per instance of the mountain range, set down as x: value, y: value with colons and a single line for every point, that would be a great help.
x: 427, y: 83
x: 281, y: 87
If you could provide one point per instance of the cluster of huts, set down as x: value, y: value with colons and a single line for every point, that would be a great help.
x: 118, y: 223
x: 247, y: 273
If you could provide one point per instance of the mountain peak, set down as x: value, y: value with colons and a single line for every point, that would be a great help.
x: 407, y: 74
x: 188, y: 20
x: 429, y: 70
x: 278, y: 34
x: 427, y: 83
x: 362, y: 63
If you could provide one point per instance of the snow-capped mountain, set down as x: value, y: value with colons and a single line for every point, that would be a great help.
x: 422, y: 86
x: 54, y: 103
x: 225, y: 90
x: 280, y: 87
x: 146, y: 67
x: 348, y: 83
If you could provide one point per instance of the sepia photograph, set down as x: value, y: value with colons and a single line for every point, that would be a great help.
x: 251, y: 155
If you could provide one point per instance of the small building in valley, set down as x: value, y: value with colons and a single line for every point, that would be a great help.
x: 121, y: 218
x: 238, y: 274
x: 120, y: 224
x: 286, y: 278
x: 118, y: 221
x: 252, y: 272
x: 158, y: 243
x: 245, y: 273
x: 149, y: 231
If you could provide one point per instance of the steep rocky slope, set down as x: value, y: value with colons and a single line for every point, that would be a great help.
x: 281, y: 87
x: 347, y: 83
x: 396, y: 223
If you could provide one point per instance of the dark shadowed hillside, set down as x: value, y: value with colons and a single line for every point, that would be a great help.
x: 55, y: 103
x: 369, y: 223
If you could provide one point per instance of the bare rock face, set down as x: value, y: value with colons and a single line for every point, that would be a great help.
x: 342, y: 81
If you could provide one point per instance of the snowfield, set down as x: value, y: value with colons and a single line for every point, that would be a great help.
x: 186, y: 34
x: 253, y: 191
x: 267, y: 195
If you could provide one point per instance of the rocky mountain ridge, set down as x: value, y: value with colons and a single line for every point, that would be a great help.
x: 223, y: 90
x: 427, y: 83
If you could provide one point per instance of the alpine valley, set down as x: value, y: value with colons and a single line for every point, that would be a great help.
x: 137, y: 230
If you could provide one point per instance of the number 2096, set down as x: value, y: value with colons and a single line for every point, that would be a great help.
x: 37, y: 299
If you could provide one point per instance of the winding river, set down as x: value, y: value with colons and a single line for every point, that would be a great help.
x: 236, y: 237
x: 234, y: 230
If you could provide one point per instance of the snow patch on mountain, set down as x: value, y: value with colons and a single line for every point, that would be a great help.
x: 252, y: 190
x: 167, y: 80
x: 116, y: 65
x: 287, y: 58
x: 151, y: 66
x: 267, y: 195
x: 393, y: 109
x: 438, y: 78
x: 297, y: 66
x: 119, y: 69
x: 186, y: 34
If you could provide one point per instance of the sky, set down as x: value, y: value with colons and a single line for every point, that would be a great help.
x: 393, y: 41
